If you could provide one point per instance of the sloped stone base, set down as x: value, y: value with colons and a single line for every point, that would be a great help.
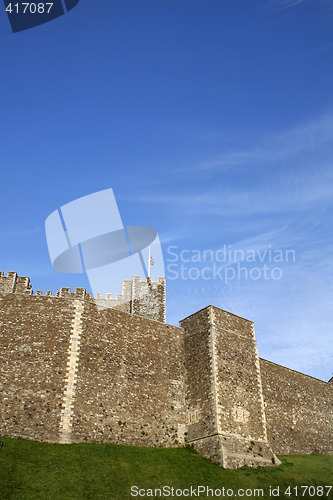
x: 231, y: 452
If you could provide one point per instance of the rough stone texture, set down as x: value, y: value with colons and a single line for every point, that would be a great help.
x: 67, y: 412
x: 72, y: 369
x: 149, y: 298
x: 130, y: 381
x: 299, y: 410
x: 200, y: 393
x: 224, y: 397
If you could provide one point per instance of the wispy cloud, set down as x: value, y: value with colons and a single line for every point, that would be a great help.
x: 274, y: 5
x: 18, y: 233
x: 319, y: 7
x: 297, y: 192
x: 300, y: 139
x: 289, y: 172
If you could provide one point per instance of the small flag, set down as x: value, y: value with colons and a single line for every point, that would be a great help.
x: 151, y: 261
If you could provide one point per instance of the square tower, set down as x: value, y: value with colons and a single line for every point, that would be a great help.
x: 225, y: 406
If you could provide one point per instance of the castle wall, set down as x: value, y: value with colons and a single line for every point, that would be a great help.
x: 130, y: 380
x: 11, y: 283
x: 71, y: 371
x: 299, y: 410
x: 34, y: 334
x: 224, y: 396
x: 142, y: 298
x: 149, y: 298
x: 75, y: 369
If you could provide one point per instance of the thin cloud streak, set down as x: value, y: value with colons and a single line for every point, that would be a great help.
x: 16, y: 234
x: 279, y: 147
x: 226, y: 202
x: 292, y: 172
x: 276, y: 5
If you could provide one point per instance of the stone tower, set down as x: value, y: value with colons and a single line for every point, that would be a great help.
x: 142, y: 298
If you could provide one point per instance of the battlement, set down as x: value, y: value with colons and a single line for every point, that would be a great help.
x: 12, y: 283
x: 142, y: 298
x: 64, y: 292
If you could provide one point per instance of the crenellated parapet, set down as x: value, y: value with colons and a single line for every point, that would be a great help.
x: 65, y: 292
x: 143, y: 298
x: 140, y: 297
x: 12, y: 283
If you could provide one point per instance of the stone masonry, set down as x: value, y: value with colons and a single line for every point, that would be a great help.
x: 224, y: 394
x: 75, y: 368
x: 299, y: 410
x: 67, y: 410
x: 142, y: 298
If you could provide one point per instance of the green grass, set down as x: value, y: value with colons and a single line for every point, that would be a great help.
x: 32, y: 470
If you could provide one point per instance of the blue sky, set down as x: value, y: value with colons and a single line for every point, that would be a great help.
x: 212, y: 121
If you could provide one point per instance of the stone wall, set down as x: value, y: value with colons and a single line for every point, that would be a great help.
x: 200, y: 385
x: 225, y: 403
x: 34, y: 337
x: 71, y: 371
x: 130, y: 380
x: 299, y: 410
x: 143, y: 298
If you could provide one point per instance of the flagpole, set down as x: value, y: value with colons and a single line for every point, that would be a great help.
x: 149, y: 262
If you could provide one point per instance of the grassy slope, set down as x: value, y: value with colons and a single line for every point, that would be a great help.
x: 31, y: 470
